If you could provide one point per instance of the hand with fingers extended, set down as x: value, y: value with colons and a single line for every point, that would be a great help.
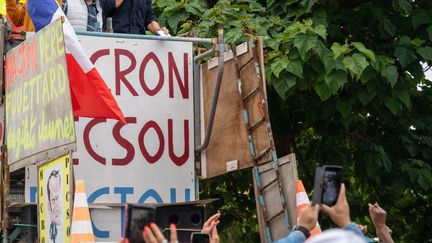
x: 153, y: 234
x: 210, y: 227
x: 308, y: 217
x: 339, y: 213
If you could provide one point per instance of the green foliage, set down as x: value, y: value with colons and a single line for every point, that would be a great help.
x: 346, y: 86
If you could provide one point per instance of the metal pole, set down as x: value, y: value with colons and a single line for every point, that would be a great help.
x: 220, y: 47
x: 206, y: 53
x: 6, y: 192
x: 148, y: 37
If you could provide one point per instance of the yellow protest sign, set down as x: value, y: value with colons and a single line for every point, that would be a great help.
x: 39, y: 114
x: 54, y: 200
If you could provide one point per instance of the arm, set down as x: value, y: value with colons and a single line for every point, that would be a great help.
x: 16, y: 12
x: 308, y: 219
x: 340, y: 214
x: 378, y: 216
x: 154, y: 27
x: 294, y: 237
x: 150, y: 20
x: 210, y: 227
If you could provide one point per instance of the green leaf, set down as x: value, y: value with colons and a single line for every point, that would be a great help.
x: 196, y: 7
x: 283, y: 84
x: 368, y: 74
x: 356, y: 64
x: 420, y: 17
x: 429, y: 31
x: 412, y: 150
x: 339, y: 50
x: 390, y: 72
x: 344, y: 108
x: 359, y: 46
x: 425, y: 52
x: 308, y: 4
x: 233, y: 35
x: 389, y: 28
x: 279, y: 64
x: 321, y: 31
x: 393, y: 105
x: 417, y: 42
x: 330, y: 63
x: 322, y: 90
x: 405, y: 56
x: 404, y: 97
x: 425, y: 180
x: 366, y: 97
x: 305, y: 42
x: 373, y: 166
x: 174, y: 20
x: 295, y: 67
x: 322, y: 50
x: 335, y: 80
x: 404, y: 40
x: 405, y: 6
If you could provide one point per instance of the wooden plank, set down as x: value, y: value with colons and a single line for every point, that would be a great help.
x: 229, y: 141
x: 288, y: 176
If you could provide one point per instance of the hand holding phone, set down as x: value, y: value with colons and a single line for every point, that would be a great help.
x: 200, y: 237
x: 327, y: 185
x: 136, y: 217
x: 339, y: 213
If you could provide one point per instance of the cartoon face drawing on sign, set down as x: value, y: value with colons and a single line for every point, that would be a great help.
x: 54, y: 202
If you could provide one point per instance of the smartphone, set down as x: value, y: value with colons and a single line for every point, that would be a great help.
x: 197, y: 237
x: 327, y: 184
x: 136, y: 217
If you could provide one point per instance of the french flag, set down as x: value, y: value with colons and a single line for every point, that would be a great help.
x: 90, y: 95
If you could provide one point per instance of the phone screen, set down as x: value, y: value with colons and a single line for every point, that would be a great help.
x: 200, y: 238
x: 331, y: 186
x: 138, y: 216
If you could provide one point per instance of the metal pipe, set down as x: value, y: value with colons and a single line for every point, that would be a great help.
x: 220, y: 47
x: 146, y: 37
x: 204, y: 54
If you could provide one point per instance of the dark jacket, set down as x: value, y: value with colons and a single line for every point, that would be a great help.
x: 131, y: 17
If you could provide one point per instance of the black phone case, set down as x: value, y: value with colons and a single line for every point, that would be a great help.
x: 318, y: 185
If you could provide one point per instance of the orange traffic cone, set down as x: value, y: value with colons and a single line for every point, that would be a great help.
x: 81, y: 230
x: 302, y: 201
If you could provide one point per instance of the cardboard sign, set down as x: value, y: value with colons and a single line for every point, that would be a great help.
x: 39, y: 117
x: 2, y: 124
x: 54, y: 200
x: 151, y: 158
x: 229, y: 149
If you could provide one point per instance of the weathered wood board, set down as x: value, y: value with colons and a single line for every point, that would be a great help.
x: 228, y: 148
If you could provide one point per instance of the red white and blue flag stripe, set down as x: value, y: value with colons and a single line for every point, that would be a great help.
x: 90, y: 95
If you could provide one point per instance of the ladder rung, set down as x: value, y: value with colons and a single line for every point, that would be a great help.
x: 275, y: 216
x: 254, y: 126
x: 262, y: 153
x: 268, y: 184
x: 251, y: 93
x: 245, y: 65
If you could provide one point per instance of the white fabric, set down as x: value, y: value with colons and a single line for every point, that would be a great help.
x: 77, y: 14
x: 336, y: 236
x: 72, y: 44
x: 302, y: 198
x: 81, y: 227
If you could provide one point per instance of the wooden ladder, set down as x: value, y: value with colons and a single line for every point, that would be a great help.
x: 265, y: 157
